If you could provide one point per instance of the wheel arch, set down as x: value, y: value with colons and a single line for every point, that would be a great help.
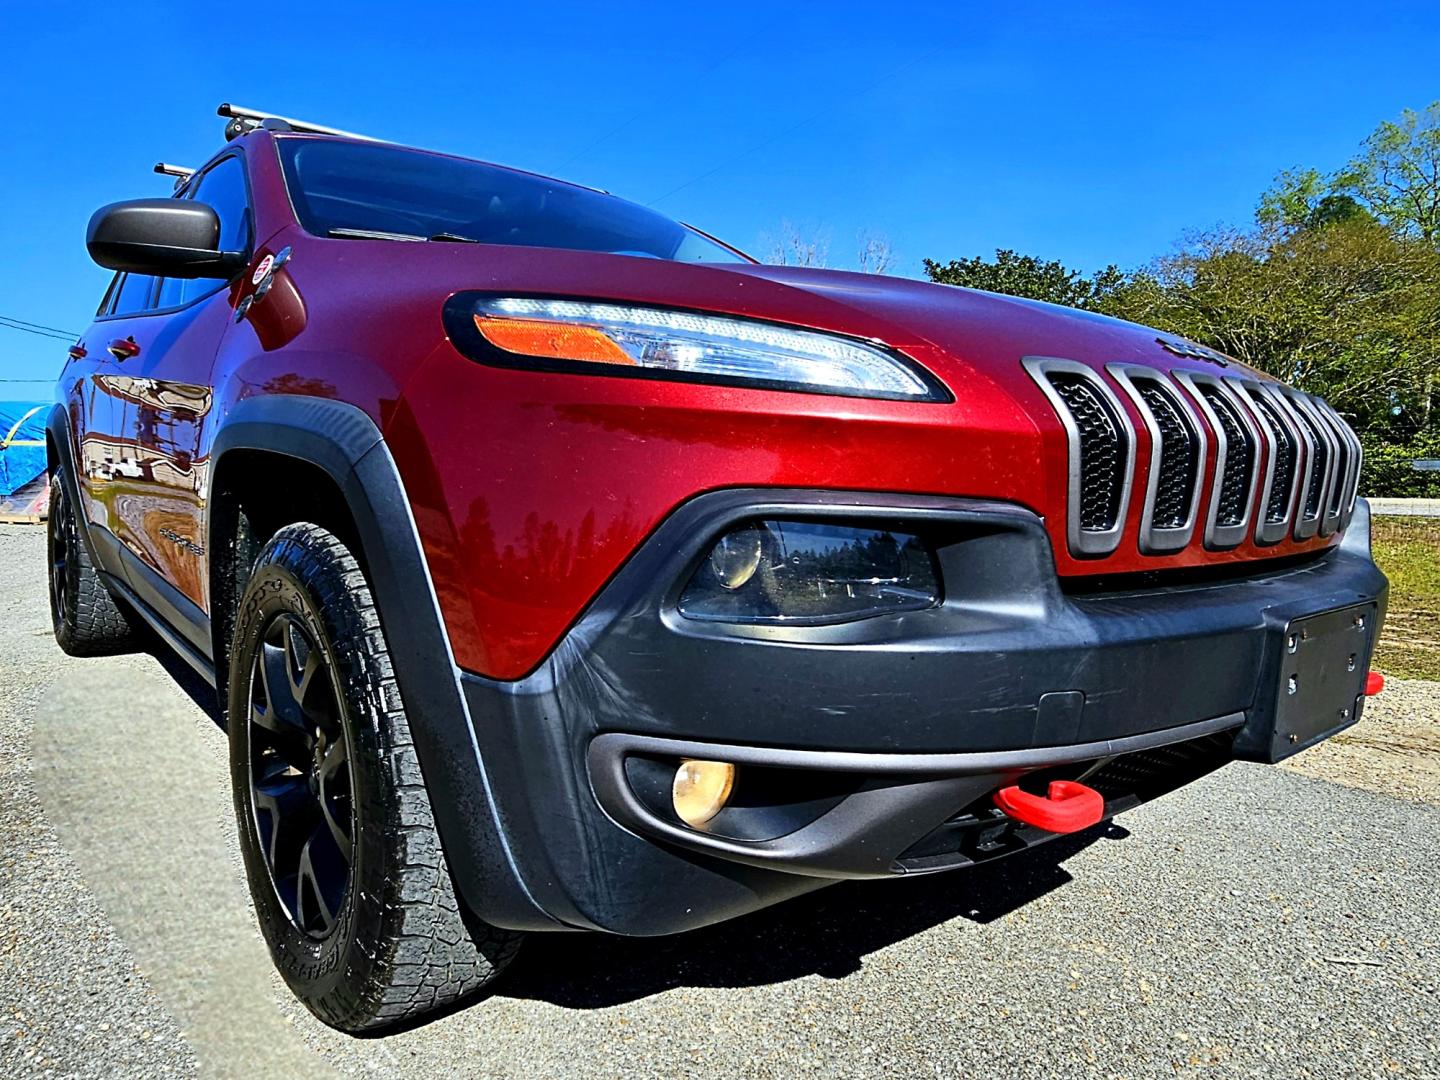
x: 333, y: 462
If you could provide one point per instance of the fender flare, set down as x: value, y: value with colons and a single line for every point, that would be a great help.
x: 344, y: 442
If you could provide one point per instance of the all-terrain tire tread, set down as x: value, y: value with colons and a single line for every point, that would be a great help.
x: 92, y: 622
x: 438, y: 956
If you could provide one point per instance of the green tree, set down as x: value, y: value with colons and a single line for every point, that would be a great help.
x: 1024, y: 275
x: 1397, y: 174
x: 1343, y: 308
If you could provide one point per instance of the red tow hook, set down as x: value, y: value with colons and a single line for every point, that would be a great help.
x: 1067, y: 807
x: 1374, y: 683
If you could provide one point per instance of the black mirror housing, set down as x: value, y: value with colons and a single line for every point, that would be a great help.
x: 177, y: 238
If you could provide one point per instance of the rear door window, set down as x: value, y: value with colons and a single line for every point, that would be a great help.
x: 135, y: 294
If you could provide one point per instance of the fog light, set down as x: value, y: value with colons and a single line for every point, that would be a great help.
x: 701, y: 789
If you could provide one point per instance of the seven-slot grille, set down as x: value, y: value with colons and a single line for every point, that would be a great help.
x: 1229, y: 457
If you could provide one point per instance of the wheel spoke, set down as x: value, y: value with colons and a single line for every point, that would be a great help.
x: 286, y: 803
x: 279, y: 688
x: 335, y: 796
x: 294, y: 744
x: 318, y: 894
x: 302, y: 662
x: 300, y: 774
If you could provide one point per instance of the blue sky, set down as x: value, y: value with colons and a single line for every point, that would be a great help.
x: 1085, y: 132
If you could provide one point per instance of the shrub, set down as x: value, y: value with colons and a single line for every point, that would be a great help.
x: 1389, y: 470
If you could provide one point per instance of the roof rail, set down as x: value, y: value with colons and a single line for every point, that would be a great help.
x: 243, y: 121
x: 180, y: 172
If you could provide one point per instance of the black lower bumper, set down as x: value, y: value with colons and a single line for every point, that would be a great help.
x: 870, y: 748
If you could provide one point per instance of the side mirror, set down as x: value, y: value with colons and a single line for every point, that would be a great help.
x: 176, y: 238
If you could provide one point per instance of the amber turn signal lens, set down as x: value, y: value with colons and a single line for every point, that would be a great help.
x: 551, y: 340
x: 701, y: 789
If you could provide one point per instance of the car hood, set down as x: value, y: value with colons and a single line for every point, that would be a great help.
x: 990, y: 331
x: 960, y: 334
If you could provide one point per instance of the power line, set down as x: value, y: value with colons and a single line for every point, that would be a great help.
x: 6, y: 324
x: 900, y: 69
x: 39, y: 326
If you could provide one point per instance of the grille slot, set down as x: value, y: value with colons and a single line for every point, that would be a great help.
x: 1179, y: 458
x: 1102, y: 451
x: 1286, y: 452
x: 1233, y: 496
x: 1346, y: 473
x: 1319, y: 467
x: 1343, y: 463
x: 1100, y: 462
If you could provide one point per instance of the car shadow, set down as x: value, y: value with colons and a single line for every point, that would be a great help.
x: 187, y: 678
x: 826, y: 933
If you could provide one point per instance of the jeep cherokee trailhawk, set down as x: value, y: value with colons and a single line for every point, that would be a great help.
x: 558, y: 567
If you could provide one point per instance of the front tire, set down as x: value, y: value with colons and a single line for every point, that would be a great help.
x: 350, y: 884
x: 87, y: 620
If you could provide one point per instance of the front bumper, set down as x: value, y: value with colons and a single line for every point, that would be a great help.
x: 877, y: 742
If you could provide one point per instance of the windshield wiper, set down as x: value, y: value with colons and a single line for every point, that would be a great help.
x: 377, y: 234
x: 373, y: 234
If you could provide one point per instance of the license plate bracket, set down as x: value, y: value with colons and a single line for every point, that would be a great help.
x: 1324, y: 660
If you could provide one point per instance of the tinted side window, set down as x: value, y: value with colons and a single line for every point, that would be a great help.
x: 221, y: 187
x: 134, y: 295
x: 104, y: 308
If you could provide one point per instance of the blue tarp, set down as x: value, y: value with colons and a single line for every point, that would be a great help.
x: 22, y: 443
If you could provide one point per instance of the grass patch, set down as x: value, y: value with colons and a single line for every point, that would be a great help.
x: 1408, y: 550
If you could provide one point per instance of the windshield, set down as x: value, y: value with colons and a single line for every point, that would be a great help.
x: 374, y: 191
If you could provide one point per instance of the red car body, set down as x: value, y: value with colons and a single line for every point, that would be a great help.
x: 521, y: 531
x: 535, y: 493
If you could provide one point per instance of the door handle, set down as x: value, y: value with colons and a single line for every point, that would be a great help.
x: 77, y: 351
x: 123, y: 348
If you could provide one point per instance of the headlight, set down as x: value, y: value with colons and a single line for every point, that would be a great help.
x: 809, y: 572
x: 621, y: 339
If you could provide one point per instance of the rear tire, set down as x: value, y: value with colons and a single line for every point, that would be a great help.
x: 87, y: 619
x: 350, y: 884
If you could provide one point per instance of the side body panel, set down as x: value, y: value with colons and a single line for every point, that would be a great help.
x: 169, y: 397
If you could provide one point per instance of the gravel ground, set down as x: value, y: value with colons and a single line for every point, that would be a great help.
x: 1259, y: 923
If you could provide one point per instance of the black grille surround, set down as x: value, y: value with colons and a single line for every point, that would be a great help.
x: 1242, y: 450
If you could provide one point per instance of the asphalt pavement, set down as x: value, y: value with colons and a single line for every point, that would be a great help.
x: 1258, y: 923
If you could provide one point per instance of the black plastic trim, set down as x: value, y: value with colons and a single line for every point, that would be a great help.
x: 605, y: 749
x: 865, y: 833
x: 1002, y: 673
x: 345, y: 443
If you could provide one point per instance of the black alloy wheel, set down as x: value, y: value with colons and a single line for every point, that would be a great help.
x: 351, y: 886
x: 300, y: 777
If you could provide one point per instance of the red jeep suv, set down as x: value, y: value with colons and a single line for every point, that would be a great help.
x: 558, y: 567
